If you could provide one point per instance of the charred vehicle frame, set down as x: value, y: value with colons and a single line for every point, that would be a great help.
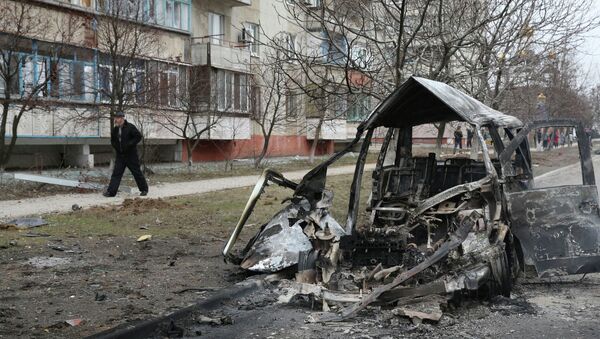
x: 440, y: 226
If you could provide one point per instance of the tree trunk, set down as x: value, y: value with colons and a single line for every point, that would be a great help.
x: 263, y: 152
x: 313, y: 147
x: 440, y: 135
x: 3, y: 123
x: 190, y: 158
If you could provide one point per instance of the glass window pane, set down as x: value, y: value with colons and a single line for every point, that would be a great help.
x: 236, y: 92
x: 228, y: 90
x: 164, y: 89
x: 27, y: 74
x: 89, y: 83
x: 215, y: 28
x: 169, y: 14
x: 184, y: 17
x: 244, y: 92
x: 78, y: 83
x: 160, y: 11
x: 65, y: 81
x: 221, y: 89
x: 177, y: 15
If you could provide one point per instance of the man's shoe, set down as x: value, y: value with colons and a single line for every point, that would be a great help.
x: 108, y: 195
x: 143, y: 193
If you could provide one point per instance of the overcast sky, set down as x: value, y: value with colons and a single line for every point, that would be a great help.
x: 589, y: 54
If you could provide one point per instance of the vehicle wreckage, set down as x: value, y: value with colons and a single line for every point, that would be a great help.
x: 435, y: 226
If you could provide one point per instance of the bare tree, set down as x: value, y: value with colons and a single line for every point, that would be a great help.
x: 478, y: 45
x: 143, y: 118
x: 125, y: 43
x: 354, y: 47
x: 513, y: 50
x: 29, y: 66
x: 197, y: 113
x: 273, y: 108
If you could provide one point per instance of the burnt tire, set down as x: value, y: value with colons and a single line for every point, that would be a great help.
x: 502, y: 277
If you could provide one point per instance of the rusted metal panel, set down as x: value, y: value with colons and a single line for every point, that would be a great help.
x: 419, y: 101
x: 558, y: 228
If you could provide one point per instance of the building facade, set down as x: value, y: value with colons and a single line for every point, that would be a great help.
x: 196, y: 61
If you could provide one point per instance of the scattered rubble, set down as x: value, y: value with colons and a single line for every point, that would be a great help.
x: 24, y: 223
x: 46, y: 262
x: 436, y: 228
x: 145, y: 237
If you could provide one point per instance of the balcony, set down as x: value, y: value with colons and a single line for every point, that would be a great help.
x: 221, y: 54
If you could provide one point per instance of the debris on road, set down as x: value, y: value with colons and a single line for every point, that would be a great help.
x: 145, y: 237
x: 74, y: 322
x: 24, y: 223
x: 215, y: 321
x: 46, y: 262
x: 435, y: 226
x: 58, y: 181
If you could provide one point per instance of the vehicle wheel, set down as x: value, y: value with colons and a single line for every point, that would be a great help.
x: 501, y: 274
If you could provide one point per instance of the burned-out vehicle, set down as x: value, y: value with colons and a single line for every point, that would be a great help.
x: 434, y: 226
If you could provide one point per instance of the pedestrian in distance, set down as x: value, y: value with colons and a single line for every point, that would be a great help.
x: 457, y: 139
x: 469, y: 138
x: 124, y: 138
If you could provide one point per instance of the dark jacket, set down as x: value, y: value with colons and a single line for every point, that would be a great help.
x: 458, y: 134
x: 130, y: 137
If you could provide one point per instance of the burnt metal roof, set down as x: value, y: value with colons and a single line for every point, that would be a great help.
x: 420, y: 101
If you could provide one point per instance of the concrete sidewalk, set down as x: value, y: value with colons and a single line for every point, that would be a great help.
x: 63, y: 203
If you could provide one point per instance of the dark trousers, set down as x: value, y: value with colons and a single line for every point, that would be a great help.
x: 132, y: 162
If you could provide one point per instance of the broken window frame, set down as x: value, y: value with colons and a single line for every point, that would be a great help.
x: 519, y: 140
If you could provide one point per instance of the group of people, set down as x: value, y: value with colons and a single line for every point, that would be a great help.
x: 553, y: 138
x: 458, y: 138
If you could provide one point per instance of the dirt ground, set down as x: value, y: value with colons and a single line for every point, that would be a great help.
x: 566, y: 308
x: 88, y: 265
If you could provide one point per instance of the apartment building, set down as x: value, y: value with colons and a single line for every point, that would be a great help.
x: 200, y: 49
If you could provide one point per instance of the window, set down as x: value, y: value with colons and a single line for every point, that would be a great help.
x: 177, y: 15
x: 169, y: 13
x: 338, y: 105
x: 216, y: 28
x: 243, y: 93
x: 334, y: 48
x: 105, y: 83
x: 185, y: 10
x: 168, y: 86
x: 291, y: 106
x: 313, y: 3
x: 360, y: 56
x: 2, y: 86
x: 255, y: 100
x: 159, y: 12
x: 252, y: 37
x: 359, y: 108
x: 150, y: 11
x: 231, y: 91
x: 84, y: 3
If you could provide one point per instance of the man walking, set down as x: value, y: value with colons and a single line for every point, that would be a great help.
x: 124, y: 138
